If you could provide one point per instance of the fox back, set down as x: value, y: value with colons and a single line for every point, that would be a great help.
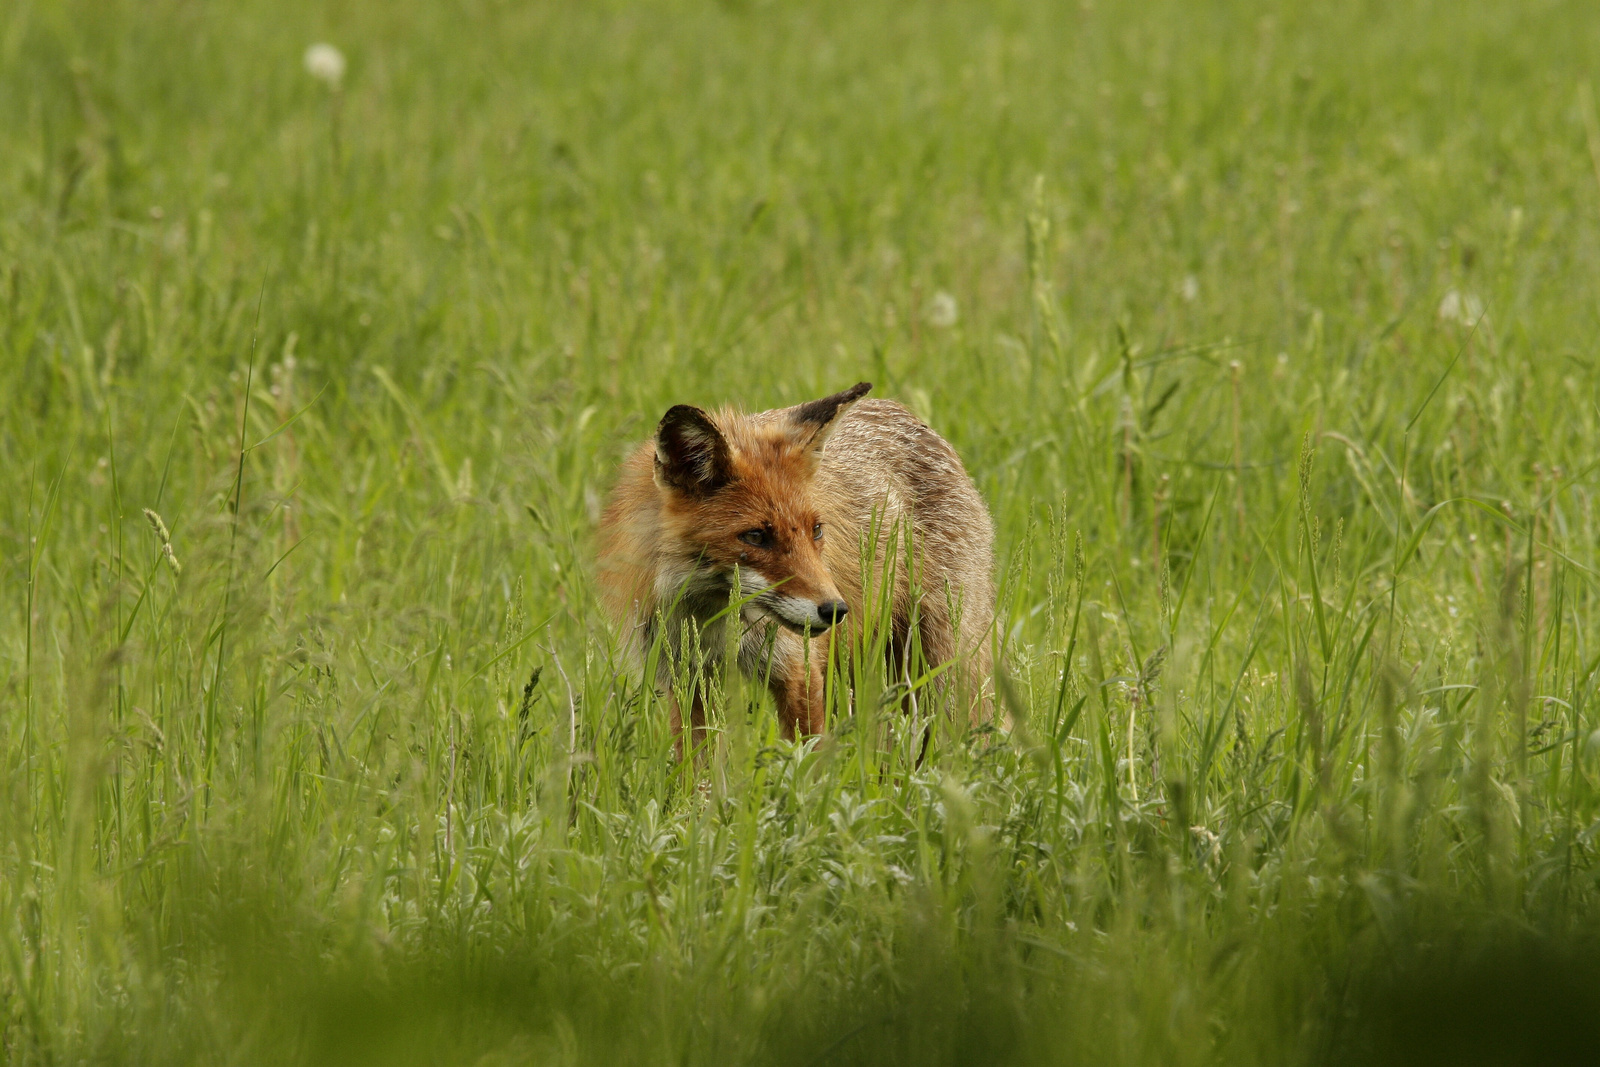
x: 820, y: 515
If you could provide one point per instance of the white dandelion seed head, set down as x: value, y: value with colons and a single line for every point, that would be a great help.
x: 1457, y: 306
x: 943, y: 312
x: 325, y: 63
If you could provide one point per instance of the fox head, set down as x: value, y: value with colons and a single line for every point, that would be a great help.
x: 738, y: 497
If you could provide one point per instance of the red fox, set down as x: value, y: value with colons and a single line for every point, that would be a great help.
x: 778, y: 506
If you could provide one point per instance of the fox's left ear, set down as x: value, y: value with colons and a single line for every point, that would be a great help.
x: 814, y: 420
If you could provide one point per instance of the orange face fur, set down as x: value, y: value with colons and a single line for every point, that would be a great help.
x: 738, y: 509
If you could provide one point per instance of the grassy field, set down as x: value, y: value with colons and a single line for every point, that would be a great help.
x: 1268, y: 330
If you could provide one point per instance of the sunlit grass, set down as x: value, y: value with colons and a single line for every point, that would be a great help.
x: 1267, y: 333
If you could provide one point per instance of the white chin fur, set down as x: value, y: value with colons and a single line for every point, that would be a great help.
x: 798, y: 613
x: 793, y: 611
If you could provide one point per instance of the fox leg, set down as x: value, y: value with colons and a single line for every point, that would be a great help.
x: 697, y: 723
x: 798, y: 692
x: 944, y: 640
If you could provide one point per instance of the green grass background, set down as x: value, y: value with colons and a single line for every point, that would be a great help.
x: 1274, y: 356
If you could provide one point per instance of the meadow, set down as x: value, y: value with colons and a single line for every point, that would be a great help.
x: 1268, y: 331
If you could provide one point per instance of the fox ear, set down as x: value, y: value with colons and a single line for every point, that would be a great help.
x: 691, y: 454
x: 815, y: 420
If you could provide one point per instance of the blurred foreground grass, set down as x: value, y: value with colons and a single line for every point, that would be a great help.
x: 1268, y: 331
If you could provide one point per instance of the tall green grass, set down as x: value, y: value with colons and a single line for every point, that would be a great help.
x: 1267, y: 330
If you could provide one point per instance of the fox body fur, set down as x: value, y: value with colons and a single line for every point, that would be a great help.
x: 807, y: 512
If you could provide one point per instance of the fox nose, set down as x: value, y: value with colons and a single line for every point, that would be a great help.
x: 831, y: 611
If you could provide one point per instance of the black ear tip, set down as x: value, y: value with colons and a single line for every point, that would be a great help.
x: 859, y: 390
x: 678, y: 414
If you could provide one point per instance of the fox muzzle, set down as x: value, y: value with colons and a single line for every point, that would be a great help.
x: 799, y: 614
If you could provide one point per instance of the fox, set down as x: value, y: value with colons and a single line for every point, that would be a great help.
x: 791, y: 509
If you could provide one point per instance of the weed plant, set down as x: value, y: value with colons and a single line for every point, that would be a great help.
x: 1266, y: 329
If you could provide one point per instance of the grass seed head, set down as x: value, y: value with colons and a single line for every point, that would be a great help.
x: 165, y: 537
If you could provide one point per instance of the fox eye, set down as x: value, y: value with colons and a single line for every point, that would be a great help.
x: 755, y: 537
x: 816, y: 532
